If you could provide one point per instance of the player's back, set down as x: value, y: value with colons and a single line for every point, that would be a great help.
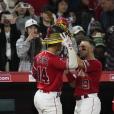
x: 50, y: 70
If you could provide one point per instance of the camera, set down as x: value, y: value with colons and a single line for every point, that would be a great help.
x: 25, y: 5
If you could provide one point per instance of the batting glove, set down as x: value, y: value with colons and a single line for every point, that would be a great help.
x: 67, y: 42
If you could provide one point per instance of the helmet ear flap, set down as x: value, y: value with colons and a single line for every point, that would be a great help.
x: 63, y: 23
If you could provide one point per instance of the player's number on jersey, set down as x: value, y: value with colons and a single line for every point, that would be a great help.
x: 42, y: 75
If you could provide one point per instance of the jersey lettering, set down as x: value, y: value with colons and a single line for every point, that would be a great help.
x: 42, y: 75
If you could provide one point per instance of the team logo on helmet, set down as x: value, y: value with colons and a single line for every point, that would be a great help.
x: 63, y: 23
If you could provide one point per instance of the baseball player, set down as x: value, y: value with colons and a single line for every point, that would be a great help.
x: 87, y: 77
x: 48, y: 70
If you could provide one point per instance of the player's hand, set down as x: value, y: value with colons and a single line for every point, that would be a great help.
x: 67, y: 42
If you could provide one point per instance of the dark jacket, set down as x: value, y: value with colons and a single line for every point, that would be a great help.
x: 107, y: 19
x: 84, y: 15
x: 14, y: 35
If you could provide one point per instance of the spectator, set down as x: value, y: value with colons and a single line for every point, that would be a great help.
x: 28, y: 45
x: 62, y: 8
x: 8, y: 37
x: 46, y: 20
x: 52, y: 5
x: 110, y: 49
x: 106, y: 88
x: 78, y: 30
x: 97, y: 9
x: 99, y: 51
x: 3, y: 6
x: 93, y: 4
x: 107, y: 15
x: 24, y: 12
x: 95, y: 26
x: 38, y: 5
x: 84, y: 14
x: 10, y: 4
x: 78, y: 33
x: 95, y: 31
x: 72, y: 18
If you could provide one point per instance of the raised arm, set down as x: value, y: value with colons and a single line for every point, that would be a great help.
x: 72, y: 56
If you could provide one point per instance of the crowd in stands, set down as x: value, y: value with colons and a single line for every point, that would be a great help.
x: 85, y: 18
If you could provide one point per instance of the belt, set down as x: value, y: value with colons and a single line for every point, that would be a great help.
x: 43, y: 91
x: 81, y: 97
x: 50, y: 92
x: 85, y: 96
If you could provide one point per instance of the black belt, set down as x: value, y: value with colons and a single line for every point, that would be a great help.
x: 81, y: 97
x: 45, y: 91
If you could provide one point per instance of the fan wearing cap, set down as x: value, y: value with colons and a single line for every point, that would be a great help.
x: 95, y: 27
x: 48, y: 69
x: 99, y: 51
x: 78, y: 33
x: 28, y: 45
x: 97, y: 35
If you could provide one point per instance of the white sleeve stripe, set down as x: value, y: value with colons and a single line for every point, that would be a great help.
x: 85, y: 67
x: 86, y: 64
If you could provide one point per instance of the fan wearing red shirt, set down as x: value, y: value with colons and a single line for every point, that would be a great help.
x: 87, y: 77
x: 48, y: 69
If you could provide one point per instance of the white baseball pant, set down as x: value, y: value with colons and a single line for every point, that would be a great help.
x: 90, y: 105
x: 48, y: 103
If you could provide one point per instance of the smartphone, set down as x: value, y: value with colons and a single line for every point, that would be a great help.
x: 25, y: 5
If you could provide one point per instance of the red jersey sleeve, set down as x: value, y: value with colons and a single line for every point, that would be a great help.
x: 70, y: 77
x: 59, y: 63
x: 92, y: 65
